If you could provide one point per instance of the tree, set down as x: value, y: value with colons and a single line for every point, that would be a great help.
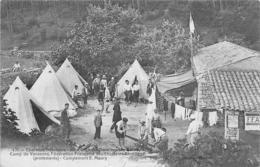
x: 101, y: 41
x: 167, y: 45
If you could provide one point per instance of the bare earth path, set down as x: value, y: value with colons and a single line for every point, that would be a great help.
x: 83, y: 127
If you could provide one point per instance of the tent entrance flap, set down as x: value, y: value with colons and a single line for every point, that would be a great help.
x: 42, y: 120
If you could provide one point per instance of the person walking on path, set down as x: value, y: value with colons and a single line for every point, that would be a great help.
x: 121, y: 127
x: 96, y: 84
x: 65, y: 122
x: 136, y: 89
x: 112, y: 88
x: 98, y: 124
x: 117, y: 115
x: 107, y: 99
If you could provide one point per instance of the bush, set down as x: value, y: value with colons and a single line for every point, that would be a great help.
x: 211, y: 150
x: 9, y: 130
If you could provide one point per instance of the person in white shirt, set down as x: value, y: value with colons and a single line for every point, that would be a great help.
x: 158, y: 132
x: 135, y: 91
x: 16, y: 67
x: 107, y: 99
x: 76, y: 94
x: 193, y: 131
x: 127, y: 91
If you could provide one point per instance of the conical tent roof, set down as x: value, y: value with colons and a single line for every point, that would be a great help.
x: 135, y: 70
x: 20, y: 101
x: 69, y: 77
x: 50, y: 94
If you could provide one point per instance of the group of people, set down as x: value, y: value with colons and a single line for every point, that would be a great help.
x: 104, y: 90
x: 152, y: 129
x: 131, y: 92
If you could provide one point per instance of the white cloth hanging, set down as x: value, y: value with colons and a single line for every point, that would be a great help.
x: 213, y: 118
x: 179, y: 112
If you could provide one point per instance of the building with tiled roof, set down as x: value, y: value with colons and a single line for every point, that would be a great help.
x: 232, y: 89
x: 228, y: 77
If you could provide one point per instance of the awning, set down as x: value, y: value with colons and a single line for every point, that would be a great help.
x: 174, y: 81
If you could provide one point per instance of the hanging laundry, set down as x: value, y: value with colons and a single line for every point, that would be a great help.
x: 213, y: 118
x: 179, y: 112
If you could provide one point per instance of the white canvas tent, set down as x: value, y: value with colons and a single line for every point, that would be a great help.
x: 28, y: 111
x: 135, y: 70
x: 69, y: 77
x: 50, y: 94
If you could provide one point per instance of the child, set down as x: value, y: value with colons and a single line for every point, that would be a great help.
x: 98, y: 124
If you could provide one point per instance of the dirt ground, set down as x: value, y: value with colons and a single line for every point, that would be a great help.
x: 83, y: 125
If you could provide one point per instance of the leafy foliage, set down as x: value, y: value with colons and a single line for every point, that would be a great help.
x: 9, y: 124
x: 211, y: 150
x: 108, y: 39
x: 101, y: 40
x: 167, y: 45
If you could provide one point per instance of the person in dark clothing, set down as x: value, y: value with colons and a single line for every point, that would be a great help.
x: 149, y: 87
x: 98, y: 124
x: 165, y: 104
x: 173, y: 109
x: 112, y: 87
x: 65, y: 122
x: 117, y: 116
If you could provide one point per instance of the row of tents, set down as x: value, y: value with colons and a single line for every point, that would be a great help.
x: 37, y: 108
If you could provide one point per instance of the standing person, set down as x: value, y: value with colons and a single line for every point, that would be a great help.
x: 121, y: 127
x: 150, y: 87
x: 156, y: 120
x: 143, y: 132
x: 76, y: 94
x: 96, y: 84
x: 90, y: 79
x: 107, y: 99
x: 65, y: 122
x: 117, y: 115
x: 85, y: 92
x: 103, y: 81
x: 98, y: 124
x: 127, y: 91
x: 112, y: 87
x: 136, y: 89
x: 193, y: 131
x: 101, y: 95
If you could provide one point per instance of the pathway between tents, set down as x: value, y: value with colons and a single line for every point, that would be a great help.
x: 83, y: 125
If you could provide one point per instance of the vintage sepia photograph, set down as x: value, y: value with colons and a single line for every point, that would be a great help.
x: 130, y: 83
